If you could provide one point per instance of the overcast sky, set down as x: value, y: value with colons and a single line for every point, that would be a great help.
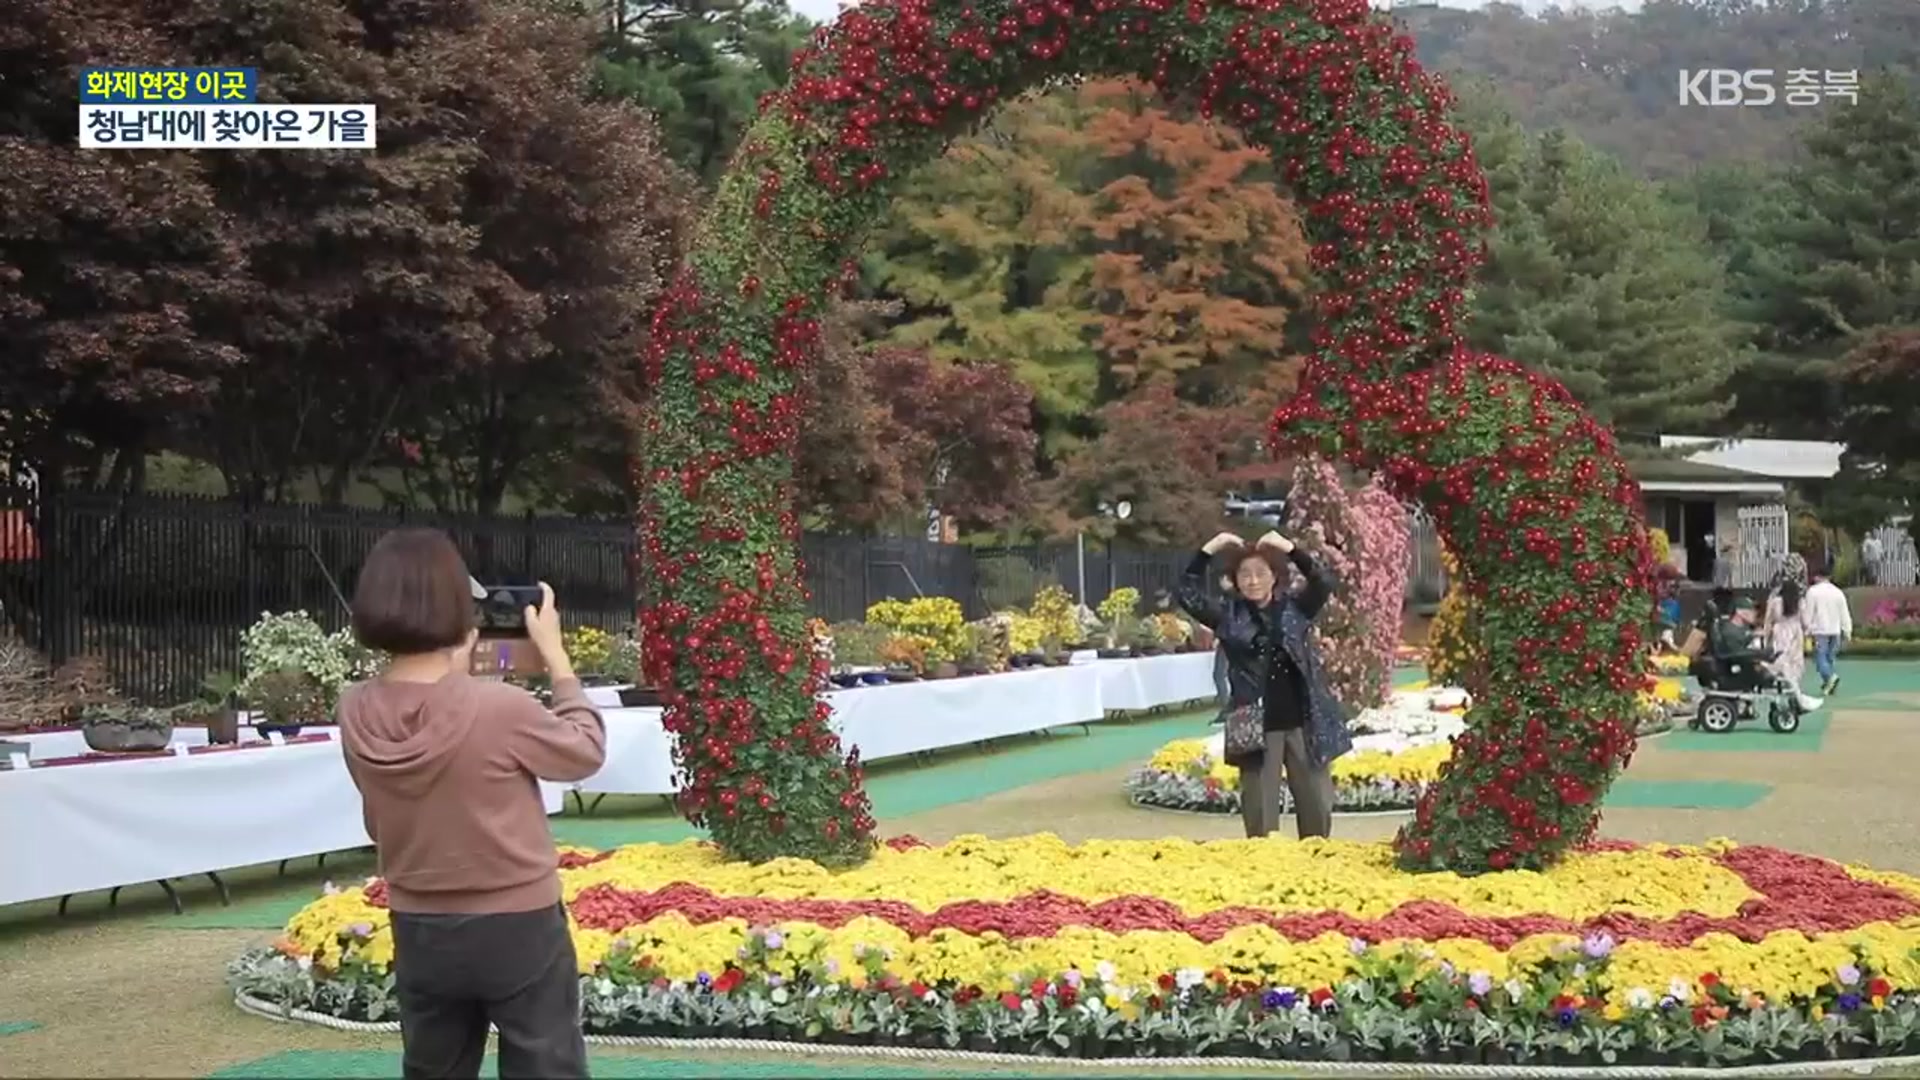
x: 824, y: 10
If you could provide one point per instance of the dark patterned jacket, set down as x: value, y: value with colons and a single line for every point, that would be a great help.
x: 1249, y: 647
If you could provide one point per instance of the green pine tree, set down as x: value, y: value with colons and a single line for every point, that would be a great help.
x: 1838, y: 258
x: 1597, y: 280
x: 700, y: 66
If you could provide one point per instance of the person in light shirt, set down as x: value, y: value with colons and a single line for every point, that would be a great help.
x: 1829, y: 621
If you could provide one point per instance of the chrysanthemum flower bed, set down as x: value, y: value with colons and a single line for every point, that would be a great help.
x: 1170, y: 948
x: 1399, y: 749
x: 1187, y: 774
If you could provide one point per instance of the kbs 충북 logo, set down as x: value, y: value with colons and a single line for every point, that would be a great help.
x: 1753, y: 87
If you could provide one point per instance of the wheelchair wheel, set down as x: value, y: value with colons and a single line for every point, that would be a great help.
x: 1784, y: 719
x: 1718, y: 715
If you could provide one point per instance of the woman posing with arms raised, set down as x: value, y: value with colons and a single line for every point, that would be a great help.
x: 1281, y: 714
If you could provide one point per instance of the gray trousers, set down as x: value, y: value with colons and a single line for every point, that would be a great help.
x: 1311, y: 788
x: 455, y: 973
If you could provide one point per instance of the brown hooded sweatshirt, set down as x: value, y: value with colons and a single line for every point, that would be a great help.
x: 448, y: 773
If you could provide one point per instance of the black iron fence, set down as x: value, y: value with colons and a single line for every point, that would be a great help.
x: 159, y: 587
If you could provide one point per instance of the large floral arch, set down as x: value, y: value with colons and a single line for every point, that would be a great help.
x: 1528, y: 490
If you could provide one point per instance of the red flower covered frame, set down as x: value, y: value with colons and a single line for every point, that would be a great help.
x: 1528, y: 490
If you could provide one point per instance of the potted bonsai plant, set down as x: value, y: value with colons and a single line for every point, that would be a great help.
x: 904, y: 657
x: 978, y: 649
x: 591, y: 650
x: 295, y: 670
x: 1024, y: 635
x: 80, y: 684
x: 27, y: 699
x: 1119, y: 612
x: 288, y: 700
x: 856, y: 653
x: 1174, y: 632
x: 1153, y: 640
x: 215, y: 709
x: 120, y: 728
x: 1059, y: 621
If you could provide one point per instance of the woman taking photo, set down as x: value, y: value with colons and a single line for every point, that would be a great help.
x: 1275, y: 684
x: 448, y: 768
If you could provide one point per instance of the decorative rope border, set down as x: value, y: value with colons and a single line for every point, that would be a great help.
x: 1857, y: 1067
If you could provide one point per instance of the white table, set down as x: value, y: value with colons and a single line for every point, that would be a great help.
x: 1152, y: 681
x: 111, y: 824
x: 910, y: 718
x: 639, y: 756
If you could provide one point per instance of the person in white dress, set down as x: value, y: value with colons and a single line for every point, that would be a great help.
x: 1785, y: 631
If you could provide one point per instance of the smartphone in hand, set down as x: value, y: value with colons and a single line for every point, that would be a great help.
x: 501, y: 617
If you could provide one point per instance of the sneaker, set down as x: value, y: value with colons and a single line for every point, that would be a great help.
x: 1833, y: 686
x: 1808, y: 703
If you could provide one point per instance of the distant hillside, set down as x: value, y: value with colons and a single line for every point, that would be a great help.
x: 1612, y: 77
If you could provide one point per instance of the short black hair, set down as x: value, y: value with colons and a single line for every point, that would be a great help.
x: 414, y: 594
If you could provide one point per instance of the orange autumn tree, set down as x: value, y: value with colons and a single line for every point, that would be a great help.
x: 1200, y: 261
x: 1100, y: 244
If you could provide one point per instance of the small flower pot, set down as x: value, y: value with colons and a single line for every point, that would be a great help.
x: 285, y: 731
x: 945, y: 671
x: 901, y: 675
x: 1114, y: 654
x: 844, y: 679
x: 980, y: 1044
x: 1233, y: 1048
x: 1023, y: 661
x: 113, y: 737
x: 972, y: 669
x: 873, y: 678
x: 760, y: 1033
x: 223, y: 727
x: 1153, y: 650
x: 1117, y: 1048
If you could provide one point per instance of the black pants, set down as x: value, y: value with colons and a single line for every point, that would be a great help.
x: 457, y: 973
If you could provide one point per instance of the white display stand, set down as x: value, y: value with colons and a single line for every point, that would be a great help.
x: 112, y: 824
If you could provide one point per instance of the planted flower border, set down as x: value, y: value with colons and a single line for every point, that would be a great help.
x: 1715, y: 956
x: 1167, y: 789
x: 1521, y: 481
x: 1390, y: 1014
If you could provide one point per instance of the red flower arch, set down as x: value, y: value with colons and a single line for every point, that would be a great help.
x: 1527, y: 489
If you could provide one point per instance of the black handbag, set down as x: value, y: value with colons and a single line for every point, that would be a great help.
x: 1245, y: 735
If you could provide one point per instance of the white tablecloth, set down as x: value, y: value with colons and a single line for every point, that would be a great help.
x: 639, y: 755
x: 76, y: 828
x: 905, y: 718
x: 888, y: 721
x: 1153, y: 681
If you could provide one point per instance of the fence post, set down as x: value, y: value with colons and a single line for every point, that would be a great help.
x: 249, y: 561
x: 55, y: 599
x: 526, y: 546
